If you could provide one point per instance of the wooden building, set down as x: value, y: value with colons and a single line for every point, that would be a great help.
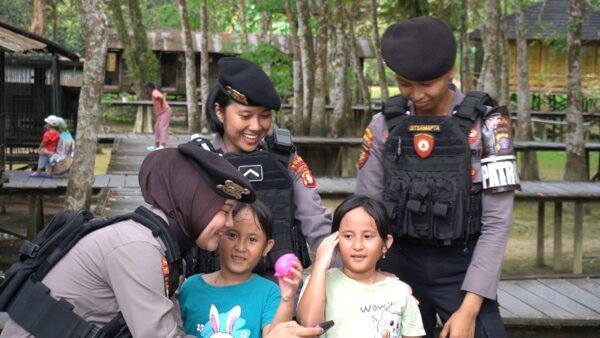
x: 168, y: 47
x: 30, y: 89
x: 547, y: 23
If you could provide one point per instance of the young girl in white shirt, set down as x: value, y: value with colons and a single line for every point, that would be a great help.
x: 361, y: 301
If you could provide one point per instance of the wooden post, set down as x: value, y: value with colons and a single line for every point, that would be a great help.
x: 36, y: 214
x: 557, y: 236
x: 540, y: 235
x: 578, y: 237
x: 148, y: 126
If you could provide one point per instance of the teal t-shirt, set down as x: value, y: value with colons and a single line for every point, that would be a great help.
x: 241, y: 310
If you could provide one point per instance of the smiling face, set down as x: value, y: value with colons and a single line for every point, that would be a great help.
x: 360, y: 244
x: 245, y: 126
x: 428, y: 97
x: 209, y: 237
x: 243, y: 246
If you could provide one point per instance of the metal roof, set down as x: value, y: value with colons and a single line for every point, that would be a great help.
x: 550, y: 18
x: 222, y: 43
x: 13, y: 39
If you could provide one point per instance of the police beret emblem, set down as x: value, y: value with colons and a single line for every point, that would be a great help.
x: 234, y: 94
x: 233, y: 189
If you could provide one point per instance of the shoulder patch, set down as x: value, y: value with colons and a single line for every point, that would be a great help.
x: 165, y: 272
x: 298, y: 165
x: 365, y: 147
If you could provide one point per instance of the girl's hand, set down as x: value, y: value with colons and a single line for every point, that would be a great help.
x: 290, y: 283
x: 326, y: 251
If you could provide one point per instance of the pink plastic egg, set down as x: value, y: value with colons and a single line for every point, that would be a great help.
x: 283, y: 265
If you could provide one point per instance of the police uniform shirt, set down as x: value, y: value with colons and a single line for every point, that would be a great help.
x: 483, y: 274
x: 314, y: 218
x: 116, y: 268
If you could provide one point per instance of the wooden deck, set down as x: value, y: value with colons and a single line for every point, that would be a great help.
x: 553, y: 307
x: 538, y: 307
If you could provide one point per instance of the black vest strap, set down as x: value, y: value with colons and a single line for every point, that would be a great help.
x: 59, y: 320
x: 394, y: 109
x: 35, y: 303
x: 474, y: 104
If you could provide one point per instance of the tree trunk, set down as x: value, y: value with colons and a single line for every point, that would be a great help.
x: 142, y: 57
x: 204, y: 75
x: 319, y: 117
x: 503, y: 95
x: 379, y: 59
x: 306, y: 58
x: 38, y: 22
x: 575, y: 166
x: 54, y: 20
x: 357, y: 66
x: 93, y: 26
x: 465, y: 73
x: 264, y: 36
x: 296, y: 67
x: 243, y: 22
x: 489, y: 80
x: 190, y: 69
x: 529, y: 166
x: 340, y: 65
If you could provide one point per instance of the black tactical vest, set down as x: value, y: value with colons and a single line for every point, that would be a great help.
x: 428, y: 191
x: 268, y: 174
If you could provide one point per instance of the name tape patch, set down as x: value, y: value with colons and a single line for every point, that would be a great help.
x: 431, y: 128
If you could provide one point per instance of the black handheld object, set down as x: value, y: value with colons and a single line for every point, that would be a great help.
x: 326, y: 325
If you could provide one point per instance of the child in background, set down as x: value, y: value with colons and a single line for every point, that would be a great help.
x: 62, y: 159
x: 47, y: 146
x: 163, y: 116
x: 233, y: 301
x: 362, y: 301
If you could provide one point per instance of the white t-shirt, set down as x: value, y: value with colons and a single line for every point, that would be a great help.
x: 361, y: 310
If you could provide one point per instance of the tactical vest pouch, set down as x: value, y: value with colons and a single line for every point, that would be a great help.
x: 426, y: 193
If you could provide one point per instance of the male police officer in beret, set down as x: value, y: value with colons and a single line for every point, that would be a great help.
x: 444, y: 166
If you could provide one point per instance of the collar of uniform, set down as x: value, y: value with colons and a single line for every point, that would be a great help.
x: 162, y: 215
x: 456, y: 100
x: 219, y: 144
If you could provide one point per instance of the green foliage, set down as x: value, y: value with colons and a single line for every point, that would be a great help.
x: 17, y: 13
x: 281, y: 66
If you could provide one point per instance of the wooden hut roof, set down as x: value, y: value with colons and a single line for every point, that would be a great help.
x: 17, y: 40
x: 549, y: 18
x: 221, y: 43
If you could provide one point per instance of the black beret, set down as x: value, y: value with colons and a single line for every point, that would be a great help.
x: 221, y: 175
x: 247, y: 83
x: 419, y: 49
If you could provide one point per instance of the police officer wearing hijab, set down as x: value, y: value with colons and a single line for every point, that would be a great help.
x: 240, y: 111
x: 434, y: 158
x: 123, y: 267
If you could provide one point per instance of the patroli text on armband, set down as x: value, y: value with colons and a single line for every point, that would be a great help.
x: 499, y: 173
x: 498, y: 164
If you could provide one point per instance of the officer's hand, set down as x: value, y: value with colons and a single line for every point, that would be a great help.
x: 461, y: 324
x: 290, y: 283
x: 292, y: 330
x: 326, y: 251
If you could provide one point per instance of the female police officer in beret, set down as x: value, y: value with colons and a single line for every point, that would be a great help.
x: 123, y: 267
x: 240, y: 110
x: 433, y: 157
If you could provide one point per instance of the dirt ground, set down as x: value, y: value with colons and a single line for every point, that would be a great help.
x: 14, y: 216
